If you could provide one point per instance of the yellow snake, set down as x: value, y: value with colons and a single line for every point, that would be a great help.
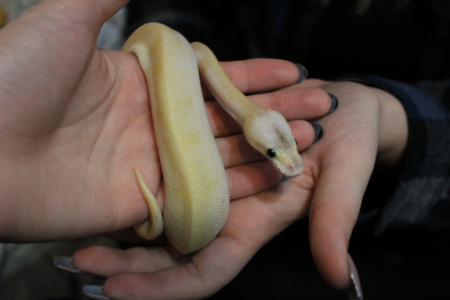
x: 197, y: 199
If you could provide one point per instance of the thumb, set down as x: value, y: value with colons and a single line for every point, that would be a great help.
x: 334, y: 211
x: 91, y: 13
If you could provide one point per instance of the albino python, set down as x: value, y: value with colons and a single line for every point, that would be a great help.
x: 197, y: 199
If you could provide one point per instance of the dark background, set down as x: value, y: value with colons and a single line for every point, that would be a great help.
x: 404, y: 40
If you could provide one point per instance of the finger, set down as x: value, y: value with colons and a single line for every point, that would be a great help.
x: 335, y: 207
x: 106, y: 261
x: 86, y: 12
x: 105, y: 9
x: 293, y: 104
x: 252, y: 178
x: 205, y: 274
x: 130, y: 236
x: 311, y: 103
x: 259, y: 75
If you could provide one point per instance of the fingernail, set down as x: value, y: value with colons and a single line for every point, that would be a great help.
x: 334, y: 102
x: 65, y: 263
x: 355, y: 291
x: 303, y: 72
x: 95, y: 292
x: 318, y: 131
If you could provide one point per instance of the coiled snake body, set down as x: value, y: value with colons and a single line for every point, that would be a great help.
x: 197, y: 199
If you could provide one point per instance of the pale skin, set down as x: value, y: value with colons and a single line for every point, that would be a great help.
x: 74, y: 117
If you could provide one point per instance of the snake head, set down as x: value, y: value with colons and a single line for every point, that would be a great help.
x: 269, y: 133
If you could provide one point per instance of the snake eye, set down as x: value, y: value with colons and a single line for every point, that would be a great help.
x: 296, y: 142
x: 271, y: 153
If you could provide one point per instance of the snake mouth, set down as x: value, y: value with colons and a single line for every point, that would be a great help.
x: 289, y: 170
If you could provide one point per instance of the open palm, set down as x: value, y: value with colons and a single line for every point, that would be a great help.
x: 74, y: 118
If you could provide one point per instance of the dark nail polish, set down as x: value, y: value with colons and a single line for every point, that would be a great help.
x: 318, y: 131
x: 334, y: 102
x: 65, y: 263
x: 355, y: 291
x: 95, y: 292
x: 303, y: 72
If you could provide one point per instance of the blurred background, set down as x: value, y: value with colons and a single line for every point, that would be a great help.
x: 405, y: 40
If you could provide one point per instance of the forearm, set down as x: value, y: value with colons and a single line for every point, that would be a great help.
x: 419, y: 197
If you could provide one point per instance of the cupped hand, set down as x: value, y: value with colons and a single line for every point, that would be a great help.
x: 368, y: 123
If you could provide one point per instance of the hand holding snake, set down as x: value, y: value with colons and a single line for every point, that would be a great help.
x: 74, y: 117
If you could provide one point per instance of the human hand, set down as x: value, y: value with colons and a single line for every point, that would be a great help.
x: 70, y: 120
x: 370, y: 127
x: 368, y: 122
x: 76, y: 119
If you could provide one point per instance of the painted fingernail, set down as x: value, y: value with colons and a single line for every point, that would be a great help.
x: 95, y: 292
x: 65, y: 263
x: 355, y: 291
x: 334, y: 102
x: 318, y: 131
x: 303, y: 72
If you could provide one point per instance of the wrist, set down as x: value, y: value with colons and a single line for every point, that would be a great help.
x: 393, y: 130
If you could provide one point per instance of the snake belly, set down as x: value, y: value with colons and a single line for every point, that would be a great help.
x: 197, y: 199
